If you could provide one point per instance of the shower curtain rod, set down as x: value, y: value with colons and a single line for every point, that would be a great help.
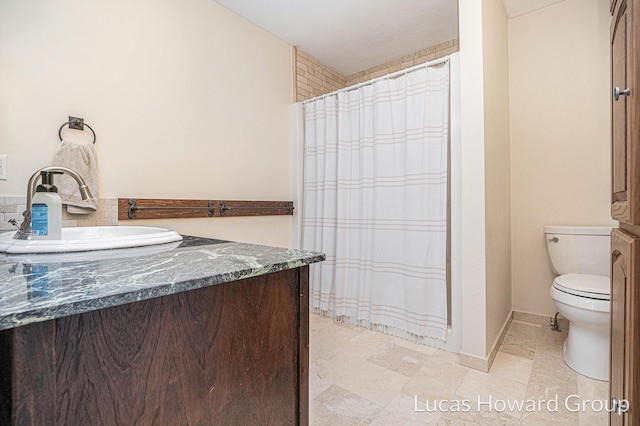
x: 384, y: 77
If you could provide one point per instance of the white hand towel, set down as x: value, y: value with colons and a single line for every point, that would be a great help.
x: 81, y: 158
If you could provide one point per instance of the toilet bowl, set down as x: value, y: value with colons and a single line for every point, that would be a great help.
x: 581, y: 292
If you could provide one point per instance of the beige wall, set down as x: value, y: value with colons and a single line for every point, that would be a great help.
x: 485, y: 179
x: 496, y: 165
x: 188, y: 100
x: 472, y: 175
x: 558, y: 83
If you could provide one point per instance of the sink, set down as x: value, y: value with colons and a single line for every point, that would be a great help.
x: 89, y: 238
x: 88, y: 256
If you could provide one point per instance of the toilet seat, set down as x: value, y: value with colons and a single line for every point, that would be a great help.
x: 582, y: 285
x: 586, y: 303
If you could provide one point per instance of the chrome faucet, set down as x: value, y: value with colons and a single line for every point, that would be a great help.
x: 24, y: 233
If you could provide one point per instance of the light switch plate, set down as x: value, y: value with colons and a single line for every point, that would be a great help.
x: 3, y: 167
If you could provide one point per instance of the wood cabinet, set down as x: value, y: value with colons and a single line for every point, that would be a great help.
x: 625, y: 182
x: 624, y: 380
x: 625, y: 326
x: 228, y: 354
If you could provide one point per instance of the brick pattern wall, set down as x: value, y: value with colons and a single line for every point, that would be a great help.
x: 107, y: 213
x: 313, y: 78
x: 406, y: 61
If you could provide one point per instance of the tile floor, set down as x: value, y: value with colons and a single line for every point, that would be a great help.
x: 362, y: 377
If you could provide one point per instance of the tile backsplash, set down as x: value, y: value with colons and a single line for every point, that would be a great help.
x: 107, y: 213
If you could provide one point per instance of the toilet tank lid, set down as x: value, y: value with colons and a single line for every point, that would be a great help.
x: 578, y: 230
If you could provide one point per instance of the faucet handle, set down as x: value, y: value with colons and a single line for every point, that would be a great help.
x: 85, y: 192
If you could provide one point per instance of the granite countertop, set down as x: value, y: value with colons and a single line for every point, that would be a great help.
x: 36, y: 288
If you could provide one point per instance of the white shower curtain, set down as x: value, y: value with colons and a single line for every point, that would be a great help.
x: 374, y: 201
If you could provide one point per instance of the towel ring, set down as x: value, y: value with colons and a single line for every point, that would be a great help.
x: 76, y: 123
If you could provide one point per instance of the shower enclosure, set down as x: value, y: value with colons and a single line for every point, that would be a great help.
x: 374, y: 168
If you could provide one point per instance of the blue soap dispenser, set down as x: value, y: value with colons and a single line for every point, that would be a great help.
x: 46, y: 210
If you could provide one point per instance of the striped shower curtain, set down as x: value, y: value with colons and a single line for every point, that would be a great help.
x: 375, y: 202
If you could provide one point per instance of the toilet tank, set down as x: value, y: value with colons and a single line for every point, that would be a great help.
x: 579, y: 249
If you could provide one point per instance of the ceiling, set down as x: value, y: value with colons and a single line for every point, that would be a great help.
x: 353, y: 35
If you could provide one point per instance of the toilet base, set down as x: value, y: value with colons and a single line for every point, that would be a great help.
x: 586, y: 350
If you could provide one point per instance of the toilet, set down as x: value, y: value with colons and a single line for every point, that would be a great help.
x: 580, y: 257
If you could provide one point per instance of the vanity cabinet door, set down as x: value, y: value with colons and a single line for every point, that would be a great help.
x: 625, y: 326
x: 625, y: 110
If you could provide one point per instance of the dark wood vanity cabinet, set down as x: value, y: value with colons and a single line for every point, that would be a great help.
x: 624, y: 380
x: 228, y: 354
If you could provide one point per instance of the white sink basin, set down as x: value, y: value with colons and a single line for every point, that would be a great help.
x: 90, y: 238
